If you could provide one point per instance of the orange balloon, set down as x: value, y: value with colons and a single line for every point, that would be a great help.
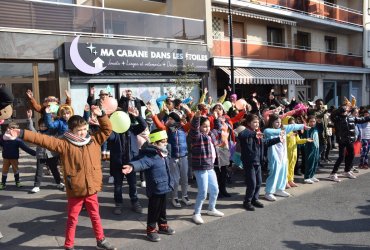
x: 240, y: 104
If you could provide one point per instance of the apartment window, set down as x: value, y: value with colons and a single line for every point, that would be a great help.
x: 303, y: 40
x: 275, y: 36
x: 238, y: 29
x: 331, y: 44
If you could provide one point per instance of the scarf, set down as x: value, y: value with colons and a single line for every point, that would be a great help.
x: 76, y: 140
x: 163, y: 152
x: 174, y: 127
x: 8, y: 137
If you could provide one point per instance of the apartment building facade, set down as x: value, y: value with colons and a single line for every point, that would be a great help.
x: 313, y: 48
x: 54, y: 45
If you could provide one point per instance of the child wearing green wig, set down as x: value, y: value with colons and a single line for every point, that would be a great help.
x: 153, y: 160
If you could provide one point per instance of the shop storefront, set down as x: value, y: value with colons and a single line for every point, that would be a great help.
x: 116, y: 68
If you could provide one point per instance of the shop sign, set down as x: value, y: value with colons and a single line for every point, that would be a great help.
x: 93, y: 58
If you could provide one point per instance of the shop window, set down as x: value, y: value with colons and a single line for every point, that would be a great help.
x: 303, y: 40
x: 275, y: 36
x: 331, y: 44
x: 238, y: 29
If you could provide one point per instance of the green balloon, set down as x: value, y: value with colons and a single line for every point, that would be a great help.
x: 120, y: 122
x: 227, y: 105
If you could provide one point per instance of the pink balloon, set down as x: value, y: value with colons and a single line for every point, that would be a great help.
x: 109, y: 105
x: 240, y: 104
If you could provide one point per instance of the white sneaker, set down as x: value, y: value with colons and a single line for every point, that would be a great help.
x: 308, y: 181
x: 143, y: 184
x: 270, y: 197
x: 334, y: 177
x: 349, y: 175
x: 111, y: 180
x: 35, y: 190
x: 314, y: 179
x: 215, y: 212
x: 176, y: 203
x: 197, y: 218
x: 60, y: 186
x: 282, y: 193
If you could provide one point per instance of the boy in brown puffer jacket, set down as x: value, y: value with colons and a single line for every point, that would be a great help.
x: 80, y: 156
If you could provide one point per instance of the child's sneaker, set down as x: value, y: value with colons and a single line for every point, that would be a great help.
x: 18, y: 184
x: 197, y: 218
x: 152, y: 234
x: 349, y: 175
x: 355, y: 170
x: 308, y: 181
x: 35, y: 190
x: 2, y: 186
x: 215, y: 213
x: 60, y: 186
x: 186, y: 200
x: 334, y: 177
x: 270, y: 197
x: 165, y: 229
x: 176, y: 203
x: 136, y: 207
x: 104, y: 244
x: 143, y: 184
x: 314, y: 179
x: 282, y: 193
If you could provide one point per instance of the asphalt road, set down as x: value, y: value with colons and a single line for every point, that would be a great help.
x: 335, y: 217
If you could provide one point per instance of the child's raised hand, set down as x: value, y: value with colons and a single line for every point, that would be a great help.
x: 29, y: 113
x: 47, y: 110
x: 126, y: 169
x: 92, y: 90
x: 87, y: 107
x: 198, y: 113
x: 96, y: 110
x: 205, y: 90
x: 67, y: 94
x: 29, y: 93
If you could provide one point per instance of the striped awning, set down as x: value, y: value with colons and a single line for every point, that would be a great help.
x: 253, y: 15
x: 264, y: 76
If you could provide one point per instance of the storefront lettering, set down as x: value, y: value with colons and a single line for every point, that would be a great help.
x: 132, y: 53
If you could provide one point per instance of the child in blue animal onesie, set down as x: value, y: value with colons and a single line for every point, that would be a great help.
x: 312, y: 151
x: 277, y: 158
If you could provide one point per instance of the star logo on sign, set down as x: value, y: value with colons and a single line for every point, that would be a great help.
x: 92, y: 49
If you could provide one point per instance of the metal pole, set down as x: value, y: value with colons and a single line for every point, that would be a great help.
x: 232, y: 82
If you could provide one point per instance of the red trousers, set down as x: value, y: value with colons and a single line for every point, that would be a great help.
x: 74, y: 209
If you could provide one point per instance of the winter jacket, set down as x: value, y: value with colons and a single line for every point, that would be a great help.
x: 252, y: 148
x: 156, y: 168
x: 345, y: 127
x: 60, y: 125
x: 201, y: 150
x: 11, y: 148
x: 124, y: 146
x: 82, y: 168
x: 41, y: 153
x: 176, y: 137
x: 230, y: 121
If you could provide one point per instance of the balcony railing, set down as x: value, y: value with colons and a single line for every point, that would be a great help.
x: 67, y: 18
x: 221, y: 48
x: 317, y: 9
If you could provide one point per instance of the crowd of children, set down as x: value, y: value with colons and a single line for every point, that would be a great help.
x: 185, y: 139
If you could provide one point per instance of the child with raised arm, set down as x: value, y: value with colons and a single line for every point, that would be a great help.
x: 153, y: 160
x: 82, y: 171
x: 44, y: 157
x: 11, y: 145
x: 252, y: 148
x: 203, y: 148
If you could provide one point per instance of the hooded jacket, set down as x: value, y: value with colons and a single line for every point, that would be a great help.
x: 156, y: 168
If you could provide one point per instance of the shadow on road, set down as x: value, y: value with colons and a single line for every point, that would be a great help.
x: 299, y: 245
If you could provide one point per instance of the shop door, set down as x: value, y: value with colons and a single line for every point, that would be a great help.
x: 302, y: 93
x: 20, y: 103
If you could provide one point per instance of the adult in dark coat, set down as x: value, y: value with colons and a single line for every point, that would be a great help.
x: 128, y: 100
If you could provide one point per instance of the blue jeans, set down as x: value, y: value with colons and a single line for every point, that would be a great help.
x: 206, y: 181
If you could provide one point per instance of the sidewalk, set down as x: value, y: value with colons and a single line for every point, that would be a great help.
x: 38, y: 220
